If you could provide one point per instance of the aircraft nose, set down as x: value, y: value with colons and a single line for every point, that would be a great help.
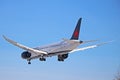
x: 26, y: 55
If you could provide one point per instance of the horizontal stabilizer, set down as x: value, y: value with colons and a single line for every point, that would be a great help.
x: 89, y: 47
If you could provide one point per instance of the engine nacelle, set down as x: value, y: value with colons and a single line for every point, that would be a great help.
x: 62, y: 57
x: 26, y: 55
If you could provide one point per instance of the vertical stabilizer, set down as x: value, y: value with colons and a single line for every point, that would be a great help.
x: 75, y: 35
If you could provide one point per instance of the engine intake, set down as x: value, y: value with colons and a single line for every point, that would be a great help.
x: 26, y: 55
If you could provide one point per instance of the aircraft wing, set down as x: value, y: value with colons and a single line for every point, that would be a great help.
x: 89, y: 47
x: 24, y: 47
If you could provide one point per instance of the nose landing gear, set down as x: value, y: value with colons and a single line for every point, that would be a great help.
x: 29, y: 62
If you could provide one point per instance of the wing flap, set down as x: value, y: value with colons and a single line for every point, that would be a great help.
x: 24, y: 47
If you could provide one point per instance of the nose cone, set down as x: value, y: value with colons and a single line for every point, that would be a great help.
x: 26, y: 55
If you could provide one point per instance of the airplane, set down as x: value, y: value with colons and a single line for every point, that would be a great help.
x: 61, y: 49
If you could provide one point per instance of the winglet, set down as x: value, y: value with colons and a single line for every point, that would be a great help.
x: 4, y: 37
x: 75, y: 35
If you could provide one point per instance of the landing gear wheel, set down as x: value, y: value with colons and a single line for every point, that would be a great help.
x: 42, y: 59
x: 60, y: 59
x: 29, y: 62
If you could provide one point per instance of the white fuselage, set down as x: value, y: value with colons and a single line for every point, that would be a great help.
x: 60, y: 48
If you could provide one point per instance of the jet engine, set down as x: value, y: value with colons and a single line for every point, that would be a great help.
x: 26, y: 55
x: 62, y: 57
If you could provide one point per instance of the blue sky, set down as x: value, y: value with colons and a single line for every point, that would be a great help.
x: 39, y: 22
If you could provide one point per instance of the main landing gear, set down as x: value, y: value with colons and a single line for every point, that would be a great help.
x: 60, y: 59
x: 42, y: 59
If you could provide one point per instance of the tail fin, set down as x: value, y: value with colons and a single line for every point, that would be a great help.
x: 75, y: 35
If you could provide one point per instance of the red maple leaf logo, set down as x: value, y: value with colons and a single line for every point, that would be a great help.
x: 76, y: 33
